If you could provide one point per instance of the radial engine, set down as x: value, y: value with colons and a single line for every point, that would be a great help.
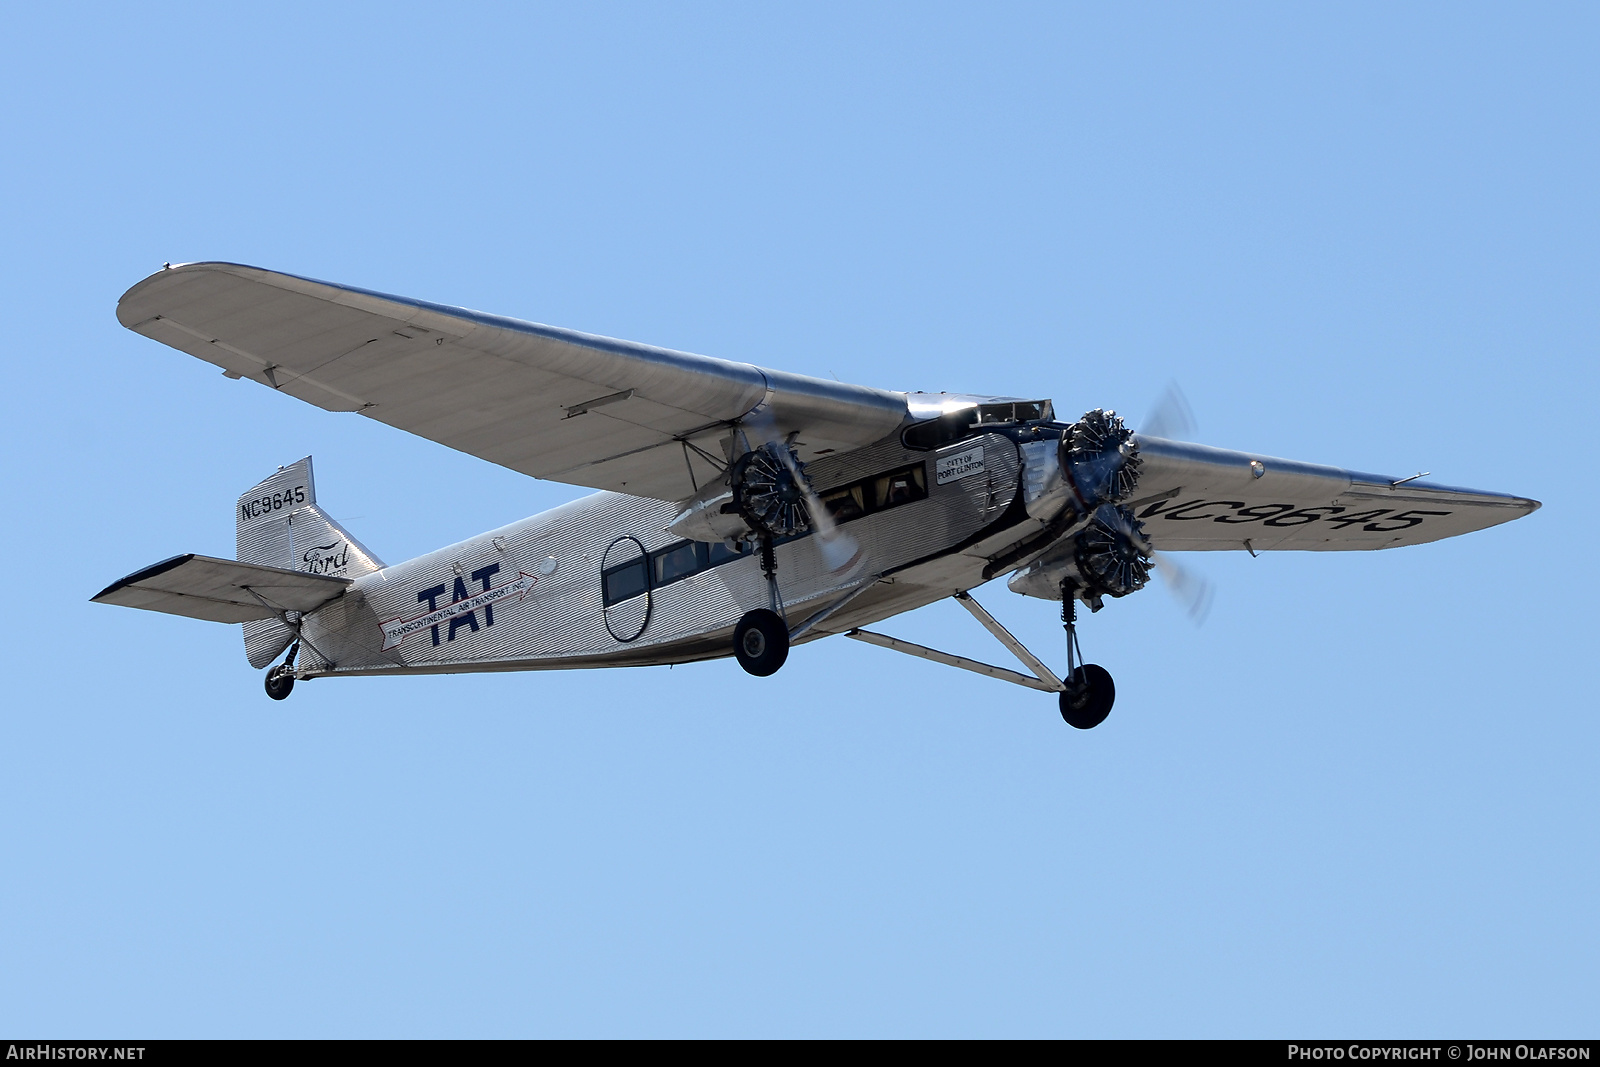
x: 765, y: 493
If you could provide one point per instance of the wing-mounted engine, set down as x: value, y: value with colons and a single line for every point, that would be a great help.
x: 770, y: 490
x: 765, y: 493
x: 1108, y: 557
x: 1111, y: 554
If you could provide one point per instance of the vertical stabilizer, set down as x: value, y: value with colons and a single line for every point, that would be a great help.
x: 280, y: 525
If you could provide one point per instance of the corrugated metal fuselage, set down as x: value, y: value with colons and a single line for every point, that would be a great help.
x: 531, y: 596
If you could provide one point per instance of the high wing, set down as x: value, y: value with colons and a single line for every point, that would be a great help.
x: 544, y: 401
x: 1192, y: 497
x: 221, y: 590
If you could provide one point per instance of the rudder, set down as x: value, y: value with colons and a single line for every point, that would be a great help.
x: 280, y: 525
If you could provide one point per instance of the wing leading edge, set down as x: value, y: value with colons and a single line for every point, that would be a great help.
x: 548, y: 402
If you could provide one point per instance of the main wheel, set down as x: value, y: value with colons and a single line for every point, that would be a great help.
x: 761, y: 642
x: 1088, y: 697
x: 279, y: 682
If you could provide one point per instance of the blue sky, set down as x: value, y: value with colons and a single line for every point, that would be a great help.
x: 1361, y: 799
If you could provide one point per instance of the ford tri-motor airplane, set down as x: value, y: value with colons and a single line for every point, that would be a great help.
x: 741, y: 509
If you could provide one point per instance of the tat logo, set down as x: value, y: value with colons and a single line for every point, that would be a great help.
x: 468, y: 618
x: 462, y: 608
x: 326, y: 559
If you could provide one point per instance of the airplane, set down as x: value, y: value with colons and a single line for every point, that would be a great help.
x: 741, y: 510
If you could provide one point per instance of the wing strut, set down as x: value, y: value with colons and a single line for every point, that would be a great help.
x: 1045, y: 680
x: 861, y: 587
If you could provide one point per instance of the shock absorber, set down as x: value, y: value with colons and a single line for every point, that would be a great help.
x: 1069, y: 623
x: 769, y: 567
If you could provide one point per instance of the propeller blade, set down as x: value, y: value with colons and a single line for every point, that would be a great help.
x: 1191, y: 590
x: 1170, y: 417
x: 840, y: 551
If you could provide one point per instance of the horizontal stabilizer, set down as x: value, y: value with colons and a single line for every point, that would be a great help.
x: 221, y: 590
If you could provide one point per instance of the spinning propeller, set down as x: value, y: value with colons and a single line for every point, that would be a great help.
x: 776, y: 498
x: 1172, y: 418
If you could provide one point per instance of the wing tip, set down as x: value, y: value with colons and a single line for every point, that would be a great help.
x: 141, y: 575
x: 130, y: 318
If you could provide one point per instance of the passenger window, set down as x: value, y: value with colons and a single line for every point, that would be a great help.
x: 899, y: 487
x: 628, y: 580
x: 721, y: 553
x: 676, y: 562
x: 847, y: 503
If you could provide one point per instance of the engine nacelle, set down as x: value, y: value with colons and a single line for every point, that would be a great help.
x: 710, y: 515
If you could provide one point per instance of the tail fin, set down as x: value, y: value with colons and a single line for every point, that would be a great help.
x: 280, y: 525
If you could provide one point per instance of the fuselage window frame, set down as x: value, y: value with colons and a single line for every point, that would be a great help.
x: 705, y: 556
x: 612, y: 576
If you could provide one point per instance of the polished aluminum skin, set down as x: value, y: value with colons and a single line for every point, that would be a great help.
x: 442, y: 612
x: 930, y: 494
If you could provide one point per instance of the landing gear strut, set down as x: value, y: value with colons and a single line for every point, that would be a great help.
x: 761, y: 640
x: 1089, y: 692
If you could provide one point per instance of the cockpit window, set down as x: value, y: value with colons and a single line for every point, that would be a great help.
x: 952, y: 426
x: 1013, y: 411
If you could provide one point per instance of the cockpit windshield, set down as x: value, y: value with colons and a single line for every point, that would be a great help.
x: 960, y: 422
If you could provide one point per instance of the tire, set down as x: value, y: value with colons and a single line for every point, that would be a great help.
x: 1088, y: 697
x: 761, y: 642
x: 279, y: 683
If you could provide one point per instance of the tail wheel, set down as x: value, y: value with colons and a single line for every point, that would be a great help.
x: 280, y: 681
x: 761, y: 642
x: 1087, y: 700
